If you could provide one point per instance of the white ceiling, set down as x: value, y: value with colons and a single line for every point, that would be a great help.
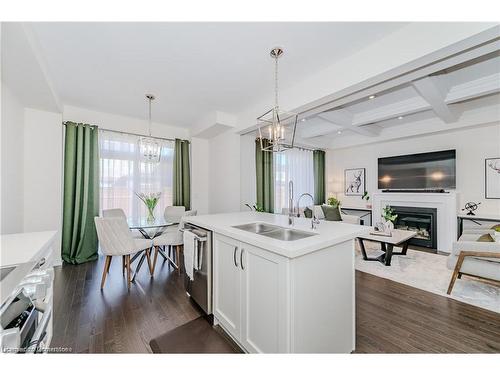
x: 192, y: 68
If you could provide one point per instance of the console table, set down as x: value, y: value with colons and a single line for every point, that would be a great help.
x: 363, y: 213
x: 476, y: 219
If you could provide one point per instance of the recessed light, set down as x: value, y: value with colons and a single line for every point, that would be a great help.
x: 339, y: 131
x: 371, y: 97
x: 303, y: 120
x: 400, y: 117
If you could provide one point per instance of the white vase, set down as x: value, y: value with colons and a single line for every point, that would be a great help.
x: 389, y: 226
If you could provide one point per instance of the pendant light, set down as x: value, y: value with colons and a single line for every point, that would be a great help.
x: 276, y: 125
x: 149, y: 147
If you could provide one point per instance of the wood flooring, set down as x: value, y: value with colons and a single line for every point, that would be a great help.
x: 390, y: 317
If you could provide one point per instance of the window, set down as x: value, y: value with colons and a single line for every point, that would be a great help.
x: 123, y: 173
x: 295, y: 165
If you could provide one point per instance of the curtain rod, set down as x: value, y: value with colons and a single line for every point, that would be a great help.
x: 128, y: 133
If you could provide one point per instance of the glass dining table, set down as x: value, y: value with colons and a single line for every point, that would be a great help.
x: 149, y: 230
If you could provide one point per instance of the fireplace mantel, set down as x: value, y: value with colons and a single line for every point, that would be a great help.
x: 445, y: 203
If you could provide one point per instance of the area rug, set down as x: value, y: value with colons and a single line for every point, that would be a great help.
x: 428, y: 272
x: 195, y: 337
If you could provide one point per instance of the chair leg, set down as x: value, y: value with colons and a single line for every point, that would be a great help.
x: 123, y: 265
x: 148, y: 258
x: 456, y: 272
x: 105, y: 271
x: 178, y: 258
x: 155, y: 258
x: 127, y: 262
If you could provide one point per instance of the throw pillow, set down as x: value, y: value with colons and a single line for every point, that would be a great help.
x: 308, y: 213
x: 486, y: 238
x: 494, y: 227
x: 331, y: 213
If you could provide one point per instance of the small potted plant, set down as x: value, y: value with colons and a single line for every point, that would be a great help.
x: 390, y: 217
x: 366, y: 198
x: 334, y: 202
x: 150, y: 200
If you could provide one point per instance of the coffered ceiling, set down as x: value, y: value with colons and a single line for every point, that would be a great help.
x: 442, y: 97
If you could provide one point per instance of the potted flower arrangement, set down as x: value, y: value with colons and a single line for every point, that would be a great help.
x: 150, y: 200
x: 390, y: 217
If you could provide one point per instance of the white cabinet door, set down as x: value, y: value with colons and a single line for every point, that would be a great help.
x: 265, y: 301
x: 227, y: 284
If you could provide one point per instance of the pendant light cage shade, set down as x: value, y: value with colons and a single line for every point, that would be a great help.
x: 149, y: 147
x: 276, y: 125
x: 279, y: 127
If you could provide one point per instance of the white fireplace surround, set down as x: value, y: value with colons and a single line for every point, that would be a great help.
x: 445, y: 204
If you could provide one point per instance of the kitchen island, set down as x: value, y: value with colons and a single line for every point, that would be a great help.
x: 283, y: 289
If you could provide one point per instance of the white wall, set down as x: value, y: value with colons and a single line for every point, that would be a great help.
x: 224, y: 181
x: 43, y: 160
x: 12, y: 132
x: 473, y: 145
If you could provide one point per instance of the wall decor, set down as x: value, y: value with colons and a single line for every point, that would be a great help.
x: 354, y: 181
x: 492, y: 178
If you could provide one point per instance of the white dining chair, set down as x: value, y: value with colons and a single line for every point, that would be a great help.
x: 172, y: 238
x: 115, y: 239
x: 173, y: 214
x: 118, y: 212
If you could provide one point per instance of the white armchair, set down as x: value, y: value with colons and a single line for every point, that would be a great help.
x: 472, y: 257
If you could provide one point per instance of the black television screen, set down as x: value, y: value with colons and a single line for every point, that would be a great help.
x: 430, y: 170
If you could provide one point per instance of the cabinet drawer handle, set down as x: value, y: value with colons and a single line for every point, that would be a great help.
x: 234, y: 256
x: 241, y: 258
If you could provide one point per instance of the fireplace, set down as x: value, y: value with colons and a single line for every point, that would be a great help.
x: 422, y: 220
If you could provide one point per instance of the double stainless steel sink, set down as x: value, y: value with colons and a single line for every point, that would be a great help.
x: 275, y: 231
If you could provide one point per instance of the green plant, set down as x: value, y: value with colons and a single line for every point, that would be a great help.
x: 365, y: 196
x: 497, y: 228
x: 332, y: 201
x: 150, y: 200
x: 388, y: 214
x: 258, y: 208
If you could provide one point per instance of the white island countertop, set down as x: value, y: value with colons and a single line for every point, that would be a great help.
x: 24, y: 247
x: 328, y: 233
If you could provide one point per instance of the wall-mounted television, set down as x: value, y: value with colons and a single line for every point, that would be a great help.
x: 430, y: 170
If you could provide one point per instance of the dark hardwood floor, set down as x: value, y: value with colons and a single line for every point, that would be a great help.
x: 390, y: 317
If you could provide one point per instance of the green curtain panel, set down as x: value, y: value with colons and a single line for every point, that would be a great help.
x: 81, y: 193
x: 265, y: 178
x: 182, y: 175
x: 319, y: 176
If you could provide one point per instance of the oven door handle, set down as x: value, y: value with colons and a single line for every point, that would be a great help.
x: 40, y: 331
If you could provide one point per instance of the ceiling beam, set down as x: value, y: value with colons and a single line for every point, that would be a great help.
x: 434, y: 93
x: 473, y: 89
x: 345, y: 119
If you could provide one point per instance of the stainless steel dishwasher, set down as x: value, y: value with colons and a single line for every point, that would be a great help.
x: 200, y: 288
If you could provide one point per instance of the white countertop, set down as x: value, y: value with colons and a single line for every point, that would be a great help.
x: 24, y: 247
x: 329, y: 233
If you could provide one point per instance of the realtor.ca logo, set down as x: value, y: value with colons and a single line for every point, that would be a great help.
x: 37, y: 350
